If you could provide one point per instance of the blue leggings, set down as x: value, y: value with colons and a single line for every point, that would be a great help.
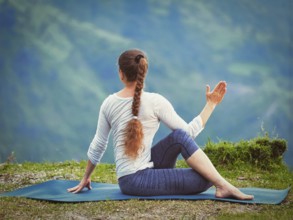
x: 164, y: 179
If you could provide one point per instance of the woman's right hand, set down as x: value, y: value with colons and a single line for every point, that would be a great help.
x: 85, y: 182
x: 216, y: 96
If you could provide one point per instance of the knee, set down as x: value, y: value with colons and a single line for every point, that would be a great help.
x: 179, y: 135
x: 179, y: 132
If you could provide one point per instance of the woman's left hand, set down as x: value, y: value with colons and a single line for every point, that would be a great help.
x: 216, y: 96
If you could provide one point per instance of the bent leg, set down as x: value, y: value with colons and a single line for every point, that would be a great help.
x: 154, y: 182
x: 164, y: 154
x: 202, y: 164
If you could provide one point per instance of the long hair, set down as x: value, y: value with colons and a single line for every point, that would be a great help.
x: 134, y: 65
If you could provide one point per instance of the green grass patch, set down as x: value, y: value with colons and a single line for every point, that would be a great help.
x: 260, y: 152
x: 253, y: 163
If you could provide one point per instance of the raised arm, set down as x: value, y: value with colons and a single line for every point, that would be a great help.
x: 213, y: 98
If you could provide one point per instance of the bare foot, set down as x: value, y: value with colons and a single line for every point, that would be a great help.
x: 228, y: 190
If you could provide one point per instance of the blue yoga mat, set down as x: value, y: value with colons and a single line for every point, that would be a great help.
x: 56, y: 190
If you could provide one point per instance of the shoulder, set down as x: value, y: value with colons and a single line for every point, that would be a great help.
x: 153, y: 96
x: 158, y: 101
x: 108, y: 101
x: 114, y: 98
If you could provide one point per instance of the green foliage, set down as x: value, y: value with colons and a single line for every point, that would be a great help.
x: 261, y: 152
x: 241, y: 163
x: 14, y: 176
x: 269, y: 213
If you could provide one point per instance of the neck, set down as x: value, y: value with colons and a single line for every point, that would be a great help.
x: 127, y: 91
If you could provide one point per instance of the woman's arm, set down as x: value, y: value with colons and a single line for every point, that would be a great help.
x: 86, y: 181
x: 166, y: 113
x: 95, y: 151
x: 213, y: 99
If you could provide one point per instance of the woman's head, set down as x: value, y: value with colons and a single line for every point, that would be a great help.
x: 133, y: 65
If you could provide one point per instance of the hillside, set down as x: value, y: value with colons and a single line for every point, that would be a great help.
x: 58, y: 63
x: 265, y: 169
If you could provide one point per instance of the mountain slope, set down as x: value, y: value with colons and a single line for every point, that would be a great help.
x: 58, y: 63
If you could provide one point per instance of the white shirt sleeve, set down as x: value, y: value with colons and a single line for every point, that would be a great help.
x: 166, y: 114
x: 99, y: 143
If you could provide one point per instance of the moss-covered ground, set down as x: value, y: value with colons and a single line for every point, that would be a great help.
x: 247, y: 170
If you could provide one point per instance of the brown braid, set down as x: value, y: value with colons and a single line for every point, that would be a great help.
x: 139, y: 86
x: 134, y: 65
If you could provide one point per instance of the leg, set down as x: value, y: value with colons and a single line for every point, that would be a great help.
x: 164, y: 154
x: 154, y: 182
x: 164, y: 179
x: 202, y: 164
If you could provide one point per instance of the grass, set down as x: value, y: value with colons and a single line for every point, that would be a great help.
x: 241, y: 174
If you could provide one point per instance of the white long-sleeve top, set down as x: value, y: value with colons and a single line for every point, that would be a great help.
x: 115, y: 112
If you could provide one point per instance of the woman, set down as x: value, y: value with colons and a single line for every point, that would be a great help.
x: 133, y: 116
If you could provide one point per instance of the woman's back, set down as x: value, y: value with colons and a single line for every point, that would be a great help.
x: 115, y: 113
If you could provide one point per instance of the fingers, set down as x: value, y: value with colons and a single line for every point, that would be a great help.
x: 86, y: 182
x: 221, y: 87
x: 73, y: 189
x: 89, y: 186
x: 208, y: 89
x: 224, y: 88
x: 78, y: 188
